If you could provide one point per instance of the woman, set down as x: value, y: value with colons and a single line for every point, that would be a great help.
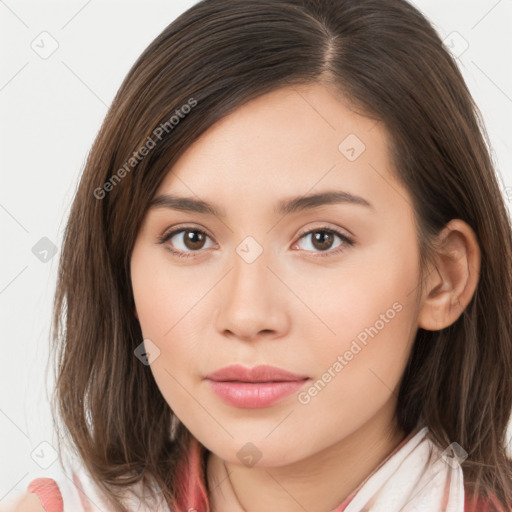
x: 334, y: 332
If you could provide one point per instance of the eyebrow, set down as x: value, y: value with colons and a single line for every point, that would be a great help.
x: 284, y: 207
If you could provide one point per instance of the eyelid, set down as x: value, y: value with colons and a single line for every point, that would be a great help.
x: 179, y: 227
x: 323, y: 226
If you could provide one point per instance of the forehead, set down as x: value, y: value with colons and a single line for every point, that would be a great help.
x: 289, y: 142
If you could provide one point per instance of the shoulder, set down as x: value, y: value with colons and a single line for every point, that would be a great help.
x: 27, y: 503
x: 45, y: 494
x: 77, y: 493
x: 42, y: 495
x: 62, y: 491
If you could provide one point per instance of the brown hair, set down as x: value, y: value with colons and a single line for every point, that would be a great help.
x: 386, y: 58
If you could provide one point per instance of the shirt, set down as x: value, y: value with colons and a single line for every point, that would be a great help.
x: 78, y: 492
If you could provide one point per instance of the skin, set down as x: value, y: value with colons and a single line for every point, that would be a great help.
x: 292, y: 307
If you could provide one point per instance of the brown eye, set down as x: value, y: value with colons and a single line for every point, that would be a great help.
x: 323, y: 240
x: 193, y: 240
x: 185, y: 241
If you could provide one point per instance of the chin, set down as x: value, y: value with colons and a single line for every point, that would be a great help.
x: 258, y: 454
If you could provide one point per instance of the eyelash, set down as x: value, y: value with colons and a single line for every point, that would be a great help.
x: 180, y: 254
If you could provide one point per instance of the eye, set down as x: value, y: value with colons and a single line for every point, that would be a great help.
x: 188, y: 240
x: 323, y: 238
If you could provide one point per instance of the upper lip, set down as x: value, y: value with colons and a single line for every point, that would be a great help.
x: 262, y: 373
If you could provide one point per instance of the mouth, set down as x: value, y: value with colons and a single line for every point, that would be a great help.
x: 256, y: 387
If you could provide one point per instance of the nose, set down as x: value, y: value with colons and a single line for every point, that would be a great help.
x: 253, y: 302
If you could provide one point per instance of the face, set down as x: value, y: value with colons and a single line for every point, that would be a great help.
x: 323, y: 289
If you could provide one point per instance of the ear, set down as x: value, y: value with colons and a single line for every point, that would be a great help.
x: 135, y: 313
x: 451, y: 284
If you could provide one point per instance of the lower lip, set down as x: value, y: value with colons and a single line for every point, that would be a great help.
x: 255, y: 395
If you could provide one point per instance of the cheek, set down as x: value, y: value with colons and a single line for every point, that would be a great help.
x: 168, y: 303
x: 164, y: 293
x: 369, y: 296
x: 170, y: 321
x: 373, y: 317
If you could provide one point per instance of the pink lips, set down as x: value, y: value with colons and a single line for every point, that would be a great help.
x: 254, y: 387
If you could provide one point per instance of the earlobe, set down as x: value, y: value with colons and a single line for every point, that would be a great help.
x: 453, y: 281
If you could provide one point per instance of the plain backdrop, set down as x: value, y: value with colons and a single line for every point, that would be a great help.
x: 62, y: 63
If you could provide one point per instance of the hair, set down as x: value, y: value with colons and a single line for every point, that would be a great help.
x: 386, y: 59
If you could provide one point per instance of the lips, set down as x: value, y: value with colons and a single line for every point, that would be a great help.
x: 256, y: 387
x: 262, y: 373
